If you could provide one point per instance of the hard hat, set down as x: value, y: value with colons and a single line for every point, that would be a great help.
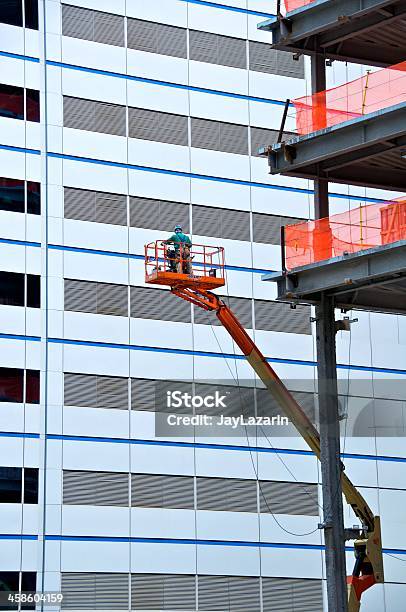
x: 178, y: 228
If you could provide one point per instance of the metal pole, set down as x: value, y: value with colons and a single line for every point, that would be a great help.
x: 328, y: 410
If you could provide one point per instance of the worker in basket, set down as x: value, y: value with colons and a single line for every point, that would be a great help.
x: 179, y: 257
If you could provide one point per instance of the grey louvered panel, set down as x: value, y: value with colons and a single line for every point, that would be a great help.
x: 109, y: 29
x: 217, y: 49
x: 262, y: 57
x: 92, y: 391
x: 163, y: 592
x: 162, y: 491
x: 265, y: 59
x: 80, y: 296
x: 158, y: 214
x: 91, y: 25
x: 280, y: 317
x: 203, y: 47
x: 77, y: 22
x: 292, y: 595
x: 261, y: 137
x: 287, y: 66
x: 95, y: 591
x: 79, y: 113
x: 226, y: 494
x: 95, y: 488
x: 220, y: 593
x: 160, y: 127
x: 94, y: 116
x: 112, y: 299
x: 242, y: 308
x: 268, y: 406
x: 239, y: 400
x: 95, y: 206
x: 80, y: 390
x: 221, y: 222
x: 267, y: 228
x: 110, y: 118
x: 219, y: 136
x: 156, y: 38
x: 158, y: 304
x: 234, y: 138
x: 289, y: 498
x: 150, y: 395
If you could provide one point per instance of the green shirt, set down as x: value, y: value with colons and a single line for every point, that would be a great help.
x: 179, y: 238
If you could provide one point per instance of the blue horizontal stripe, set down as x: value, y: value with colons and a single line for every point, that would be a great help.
x: 227, y: 7
x: 19, y: 242
x: 27, y: 58
x: 13, y: 536
x: 219, y: 179
x: 225, y: 447
x: 160, y: 83
x: 204, y: 177
x: 20, y: 337
x: 58, y: 247
x: 17, y: 434
x: 155, y: 349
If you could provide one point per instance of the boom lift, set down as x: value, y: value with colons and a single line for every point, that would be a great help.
x: 207, y: 272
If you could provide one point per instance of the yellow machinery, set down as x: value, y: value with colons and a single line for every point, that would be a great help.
x: 208, y: 272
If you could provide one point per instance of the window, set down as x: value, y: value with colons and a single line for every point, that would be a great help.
x: 32, y: 105
x: 11, y: 12
x: 11, y: 385
x: 31, y: 14
x: 33, y: 291
x: 33, y: 198
x: 13, y: 198
x: 12, y: 289
x: 12, y: 195
x: 32, y: 388
x: 30, y: 486
x: 11, y: 102
x: 11, y: 581
x: 11, y: 485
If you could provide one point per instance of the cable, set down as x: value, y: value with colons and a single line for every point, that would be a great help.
x: 236, y: 380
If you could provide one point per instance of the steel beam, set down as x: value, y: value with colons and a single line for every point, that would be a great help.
x: 342, y: 152
x: 334, y: 28
x: 374, y: 279
x: 329, y: 409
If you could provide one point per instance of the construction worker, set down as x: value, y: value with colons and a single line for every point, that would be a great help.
x: 179, y: 257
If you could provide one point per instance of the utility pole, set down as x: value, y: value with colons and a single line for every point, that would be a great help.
x: 328, y: 408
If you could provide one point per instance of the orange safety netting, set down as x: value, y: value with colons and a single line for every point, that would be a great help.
x: 358, y: 229
x: 292, y: 5
x: 372, y: 92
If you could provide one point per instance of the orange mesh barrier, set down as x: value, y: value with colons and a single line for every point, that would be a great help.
x: 358, y: 229
x: 372, y: 92
x: 292, y: 5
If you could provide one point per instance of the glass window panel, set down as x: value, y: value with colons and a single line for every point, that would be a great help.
x: 30, y: 486
x: 33, y: 198
x: 10, y: 485
x: 12, y: 288
x: 32, y: 105
x: 11, y: 385
x: 12, y: 195
x: 31, y: 14
x: 11, y: 12
x: 33, y: 291
x: 32, y: 387
x: 11, y: 102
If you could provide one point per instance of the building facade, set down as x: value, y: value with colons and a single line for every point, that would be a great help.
x: 118, y: 121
